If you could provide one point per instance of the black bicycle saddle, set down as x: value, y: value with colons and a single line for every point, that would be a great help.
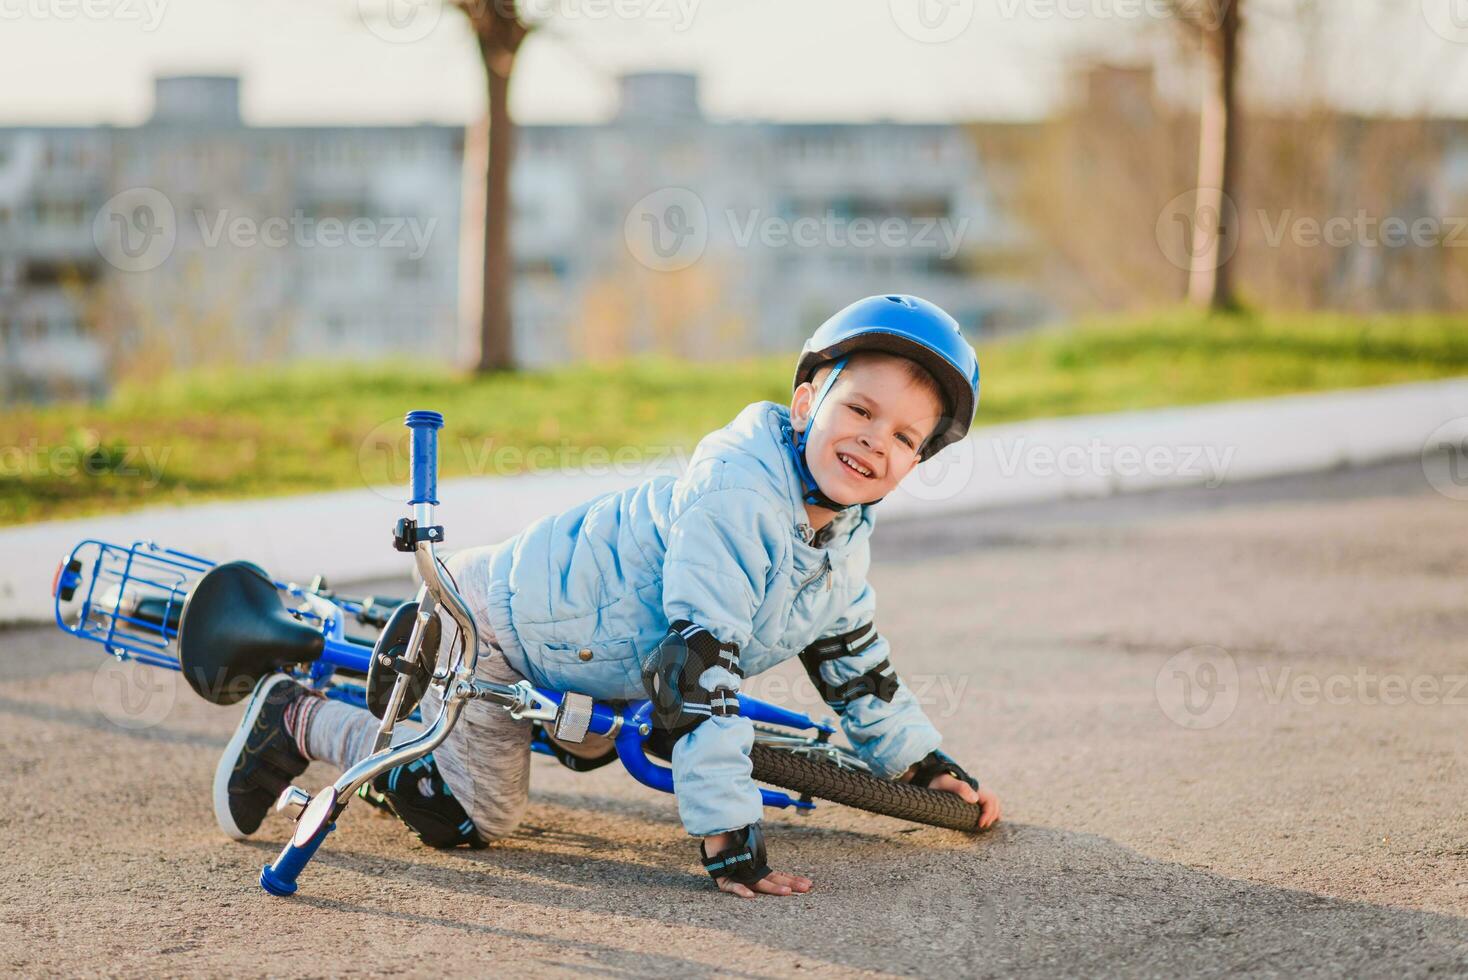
x: 235, y: 629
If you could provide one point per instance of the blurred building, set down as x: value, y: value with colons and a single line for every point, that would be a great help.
x: 241, y: 245
x: 230, y: 259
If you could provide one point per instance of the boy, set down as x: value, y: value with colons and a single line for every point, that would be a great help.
x: 675, y: 589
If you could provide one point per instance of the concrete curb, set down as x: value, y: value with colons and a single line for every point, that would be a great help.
x: 344, y: 534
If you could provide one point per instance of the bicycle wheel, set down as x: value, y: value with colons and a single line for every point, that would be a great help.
x: 826, y: 780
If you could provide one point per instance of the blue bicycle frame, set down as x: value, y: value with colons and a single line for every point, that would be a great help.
x: 109, y: 615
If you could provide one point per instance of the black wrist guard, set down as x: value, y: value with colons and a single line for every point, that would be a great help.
x: 743, y: 862
x: 935, y: 763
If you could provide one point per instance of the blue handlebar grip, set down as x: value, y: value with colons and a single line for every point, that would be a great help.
x: 425, y: 426
x: 280, y: 878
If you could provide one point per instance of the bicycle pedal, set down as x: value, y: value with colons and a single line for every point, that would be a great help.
x: 292, y: 802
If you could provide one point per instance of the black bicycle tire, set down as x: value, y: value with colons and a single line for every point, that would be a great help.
x: 825, y: 780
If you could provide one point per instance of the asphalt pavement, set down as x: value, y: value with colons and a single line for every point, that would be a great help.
x: 1227, y: 726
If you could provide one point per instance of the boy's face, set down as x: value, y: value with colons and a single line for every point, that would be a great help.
x: 869, y: 431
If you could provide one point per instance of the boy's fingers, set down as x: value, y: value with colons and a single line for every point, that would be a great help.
x: 734, y: 888
x: 775, y: 883
x: 956, y: 786
x: 797, y: 883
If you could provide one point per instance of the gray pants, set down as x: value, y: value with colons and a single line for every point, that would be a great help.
x: 485, y: 759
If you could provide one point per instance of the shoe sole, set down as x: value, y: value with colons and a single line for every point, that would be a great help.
x: 232, y: 754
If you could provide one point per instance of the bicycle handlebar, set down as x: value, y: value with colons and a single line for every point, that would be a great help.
x: 425, y: 426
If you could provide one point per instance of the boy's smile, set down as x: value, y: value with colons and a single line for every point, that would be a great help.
x: 869, y: 432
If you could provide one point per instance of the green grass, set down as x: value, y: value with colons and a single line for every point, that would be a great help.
x: 229, y: 434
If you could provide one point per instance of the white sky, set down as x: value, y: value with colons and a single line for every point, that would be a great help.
x: 87, y: 61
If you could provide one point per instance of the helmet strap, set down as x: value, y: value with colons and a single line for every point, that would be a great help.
x: 810, y: 490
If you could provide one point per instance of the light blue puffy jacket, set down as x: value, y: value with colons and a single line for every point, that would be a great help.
x: 725, y: 547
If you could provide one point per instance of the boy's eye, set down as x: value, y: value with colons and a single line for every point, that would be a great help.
x: 905, y: 440
x: 859, y: 410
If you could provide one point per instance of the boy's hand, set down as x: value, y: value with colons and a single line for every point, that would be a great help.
x: 989, y: 812
x: 774, y: 883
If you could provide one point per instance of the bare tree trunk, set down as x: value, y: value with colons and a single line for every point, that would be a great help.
x: 1210, y: 279
x: 496, y: 325
x: 500, y: 32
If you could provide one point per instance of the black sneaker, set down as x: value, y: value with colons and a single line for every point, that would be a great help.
x: 260, y: 760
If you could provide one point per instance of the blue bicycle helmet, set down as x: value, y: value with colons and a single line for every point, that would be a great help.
x: 906, y: 326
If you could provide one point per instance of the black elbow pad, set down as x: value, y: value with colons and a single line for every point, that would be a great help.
x: 670, y: 675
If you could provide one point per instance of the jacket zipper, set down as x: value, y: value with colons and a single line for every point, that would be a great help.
x: 819, y: 574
